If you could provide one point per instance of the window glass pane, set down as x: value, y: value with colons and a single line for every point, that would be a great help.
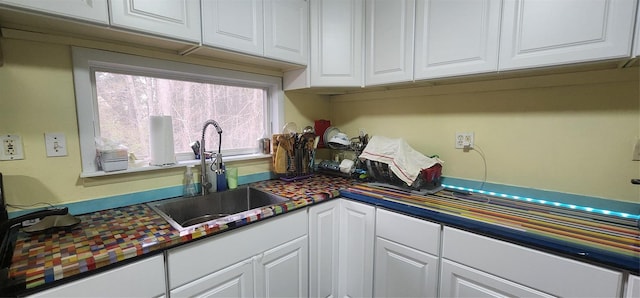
x: 125, y: 103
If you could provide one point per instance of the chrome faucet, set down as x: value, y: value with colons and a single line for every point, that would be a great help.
x: 205, y: 184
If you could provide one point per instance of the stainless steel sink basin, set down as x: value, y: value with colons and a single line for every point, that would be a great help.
x: 188, y: 213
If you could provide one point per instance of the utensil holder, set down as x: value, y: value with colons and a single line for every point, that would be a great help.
x: 292, y: 155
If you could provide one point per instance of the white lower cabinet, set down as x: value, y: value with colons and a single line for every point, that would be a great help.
x: 407, y: 256
x: 461, y: 281
x: 633, y: 287
x: 341, y: 237
x: 283, y: 271
x: 145, y: 278
x: 324, y: 249
x: 267, y: 258
x: 474, y: 264
x: 402, y: 271
x: 233, y: 281
x: 279, y: 272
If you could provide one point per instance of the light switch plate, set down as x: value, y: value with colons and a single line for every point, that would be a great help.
x: 56, y: 144
x: 11, y: 147
x: 636, y: 151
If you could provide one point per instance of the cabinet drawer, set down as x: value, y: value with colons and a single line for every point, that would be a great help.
x: 539, y: 270
x: 195, y: 260
x: 145, y: 278
x: 415, y: 233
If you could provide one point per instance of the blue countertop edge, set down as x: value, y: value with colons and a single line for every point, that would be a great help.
x: 580, y: 252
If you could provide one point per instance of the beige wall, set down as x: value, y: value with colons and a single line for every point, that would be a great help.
x: 576, y: 131
x: 37, y: 96
x: 567, y: 132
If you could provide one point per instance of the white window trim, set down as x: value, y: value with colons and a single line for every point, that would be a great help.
x: 85, y: 60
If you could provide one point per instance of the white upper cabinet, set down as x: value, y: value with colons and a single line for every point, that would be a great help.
x: 636, y: 47
x: 544, y: 33
x: 86, y: 10
x: 337, y: 38
x: 178, y: 19
x: 389, y: 27
x: 456, y: 37
x: 286, y: 30
x: 234, y: 25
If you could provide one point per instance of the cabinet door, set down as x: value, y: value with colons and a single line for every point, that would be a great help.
x: 636, y: 47
x: 389, y: 41
x: 286, y: 30
x: 324, y: 232
x: 402, y: 271
x: 336, y: 43
x: 461, y: 281
x: 532, y: 268
x: 234, y: 281
x: 456, y: 37
x: 357, y: 224
x: 283, y: 271
x: 543, y: 33
x: 633, y: 287
x: 144, y: 278
x: 233, y: 24
x: 87, y: 10
x: 178, y: 19
x: 200, y: 258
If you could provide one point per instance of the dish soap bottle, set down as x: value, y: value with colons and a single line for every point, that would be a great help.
x: 189, y: 185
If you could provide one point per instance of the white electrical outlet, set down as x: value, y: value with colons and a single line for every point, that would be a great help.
x: 11, y: 147
x: 464, y: 140
x: 56, y: 144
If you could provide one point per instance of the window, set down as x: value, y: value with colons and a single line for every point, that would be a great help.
x: 117, y: 93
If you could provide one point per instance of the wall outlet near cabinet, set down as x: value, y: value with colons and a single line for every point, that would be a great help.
x: 11, y: 147
x: 464, y: 140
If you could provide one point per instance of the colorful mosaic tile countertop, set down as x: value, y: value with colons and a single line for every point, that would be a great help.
x: 602, y: 238
x: 106, y: 237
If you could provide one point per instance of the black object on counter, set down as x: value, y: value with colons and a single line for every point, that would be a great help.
x: 8, y: 229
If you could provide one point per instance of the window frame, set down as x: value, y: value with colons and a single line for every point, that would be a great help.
x: 87, y: 61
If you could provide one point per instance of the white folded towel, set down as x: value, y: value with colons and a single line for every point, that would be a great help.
x: 405, y: 162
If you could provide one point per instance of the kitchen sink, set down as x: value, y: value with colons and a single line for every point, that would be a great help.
x: 188, y: 213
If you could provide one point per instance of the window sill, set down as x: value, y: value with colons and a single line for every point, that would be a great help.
x: 179, y: 164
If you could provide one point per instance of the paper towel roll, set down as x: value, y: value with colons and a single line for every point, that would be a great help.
x: 161, y: 141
